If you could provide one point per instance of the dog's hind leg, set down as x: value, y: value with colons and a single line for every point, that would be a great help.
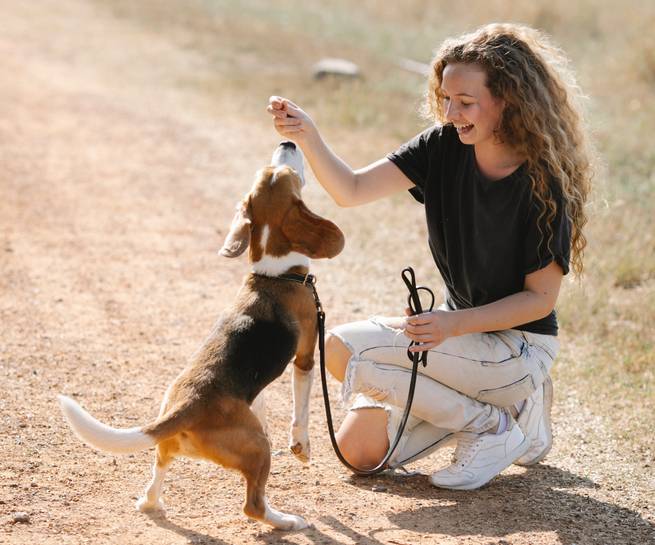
x: 151, y: 499
x: 242, y: 445
x: 255, y: 469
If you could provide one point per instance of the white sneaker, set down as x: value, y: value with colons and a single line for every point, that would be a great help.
x: 534, y: 420
x: 479, y: 458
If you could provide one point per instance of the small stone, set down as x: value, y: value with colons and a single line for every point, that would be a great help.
x: 21, y: 517
x: 379, y: 488
x: 335, y: 67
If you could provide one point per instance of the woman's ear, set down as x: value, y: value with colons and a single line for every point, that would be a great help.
x: 238, y: 238
x: 310, y: 234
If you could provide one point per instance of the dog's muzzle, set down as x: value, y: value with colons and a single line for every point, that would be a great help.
x: 287, y: 153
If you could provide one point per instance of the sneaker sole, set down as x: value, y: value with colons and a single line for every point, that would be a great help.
x: 517, y: 453
x: 548, y: 403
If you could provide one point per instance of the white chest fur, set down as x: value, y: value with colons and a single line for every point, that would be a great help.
x: 276, y: 265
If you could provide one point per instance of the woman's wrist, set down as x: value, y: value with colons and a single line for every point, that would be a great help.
x: 456, y: 323
x: 309, y: 139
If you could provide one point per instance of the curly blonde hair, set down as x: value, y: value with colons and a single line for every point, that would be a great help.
x: 542, y: 118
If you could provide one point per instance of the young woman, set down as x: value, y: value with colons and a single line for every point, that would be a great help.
x: 504, y: 175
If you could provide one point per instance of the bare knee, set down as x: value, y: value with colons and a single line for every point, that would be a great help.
x: 362, y: 437
x: 360, y: 455
x: 337, y: 355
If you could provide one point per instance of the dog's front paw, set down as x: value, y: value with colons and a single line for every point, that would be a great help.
x: 146, y: 506
x: 301, y: 450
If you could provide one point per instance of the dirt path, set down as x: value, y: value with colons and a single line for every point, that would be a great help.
x: 117, y: 186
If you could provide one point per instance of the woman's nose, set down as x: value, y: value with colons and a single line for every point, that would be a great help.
x: 451, y: 111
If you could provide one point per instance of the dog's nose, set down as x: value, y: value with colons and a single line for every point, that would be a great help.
x: 288, y: 144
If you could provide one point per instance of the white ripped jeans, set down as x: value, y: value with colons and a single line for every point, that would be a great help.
x: 471, y: 372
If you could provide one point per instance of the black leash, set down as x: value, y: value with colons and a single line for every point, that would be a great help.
x: 414, y: 303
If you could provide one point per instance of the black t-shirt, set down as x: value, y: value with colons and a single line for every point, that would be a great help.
x: 483, y: 234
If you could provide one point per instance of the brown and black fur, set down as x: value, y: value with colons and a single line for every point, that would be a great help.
x: 206, y: 411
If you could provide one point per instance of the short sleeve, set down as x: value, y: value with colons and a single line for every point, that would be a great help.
x: 413, y: 158
x: 540, y: 249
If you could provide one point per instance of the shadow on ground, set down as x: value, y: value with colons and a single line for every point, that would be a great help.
x: 543, y: 499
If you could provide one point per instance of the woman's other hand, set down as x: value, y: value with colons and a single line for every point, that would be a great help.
x: 429, y: 329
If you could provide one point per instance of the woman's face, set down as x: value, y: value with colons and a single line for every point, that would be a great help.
x: 469, y: 105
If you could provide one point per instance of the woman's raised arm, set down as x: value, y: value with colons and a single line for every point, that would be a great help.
x: 346, y: 186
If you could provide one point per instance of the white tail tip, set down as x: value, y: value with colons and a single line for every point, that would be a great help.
x: 99, y: 435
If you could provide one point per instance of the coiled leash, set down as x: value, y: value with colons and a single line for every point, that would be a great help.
x: 414, y: 303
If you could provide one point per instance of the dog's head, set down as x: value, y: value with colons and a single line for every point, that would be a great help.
x: 273, y: 220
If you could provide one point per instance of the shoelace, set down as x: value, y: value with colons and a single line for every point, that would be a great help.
x: 467, y: 447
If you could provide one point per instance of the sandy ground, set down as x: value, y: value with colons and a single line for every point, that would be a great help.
x: 117, y: 187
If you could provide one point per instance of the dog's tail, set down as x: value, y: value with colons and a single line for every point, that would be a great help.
x: 103, y: 437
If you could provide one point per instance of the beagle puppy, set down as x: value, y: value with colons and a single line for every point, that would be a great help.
x: 206, y: 412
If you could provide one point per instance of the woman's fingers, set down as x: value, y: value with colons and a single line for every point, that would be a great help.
x: 289, y: 132
x: 276, y: 112
x: 287, y: 122
x: 422, y: 347
x: 418, y: 329
x: 276, y: 102
x: 288, y: 126
x: 422, y: 338
x: 283, y: 105
x: 429, y: 328
x: 420, y: 319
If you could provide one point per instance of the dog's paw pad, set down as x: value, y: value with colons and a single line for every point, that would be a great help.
x: 300, y: 451
x: 145, y: 506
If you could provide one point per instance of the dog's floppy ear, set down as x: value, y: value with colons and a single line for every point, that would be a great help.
x: 310, y: 234
x: 239, y: 236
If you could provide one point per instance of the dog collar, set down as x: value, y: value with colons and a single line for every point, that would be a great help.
x: 308, y: 280
x: 299, y: 278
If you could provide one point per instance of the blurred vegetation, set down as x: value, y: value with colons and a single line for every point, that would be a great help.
x: 257, y: 48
